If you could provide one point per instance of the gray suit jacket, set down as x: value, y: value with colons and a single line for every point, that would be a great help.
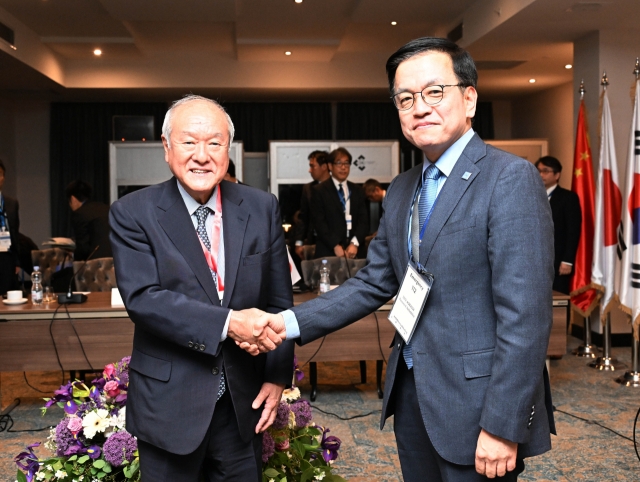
x: 479, y: 348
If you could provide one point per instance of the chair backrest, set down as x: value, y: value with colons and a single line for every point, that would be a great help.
x: 311, y: 271
x: 309, y: 251
x: 353, y: 266
x: 98, y: 275
x: 48, y: 260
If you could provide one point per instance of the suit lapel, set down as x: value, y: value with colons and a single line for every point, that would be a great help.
x: 174, y: 219
x: 402, y: 244
x: 451, y: 193
x: 234, y: 225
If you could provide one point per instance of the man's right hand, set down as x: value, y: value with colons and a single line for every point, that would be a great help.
x: 252, y: 331
x: 270, y: 323
x: 300, y: 251
x: 339, y: 251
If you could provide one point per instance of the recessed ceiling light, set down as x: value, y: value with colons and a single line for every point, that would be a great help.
x: 568, y: 66
x: 394, y: 23
x: 287, y: 53
x: 298, y: 1
x: 532, y: 81
x: 97, y: 52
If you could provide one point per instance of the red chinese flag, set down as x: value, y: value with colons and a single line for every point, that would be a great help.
x: 583, y: 297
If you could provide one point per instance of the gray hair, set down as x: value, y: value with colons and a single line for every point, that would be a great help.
x: 166, y: 125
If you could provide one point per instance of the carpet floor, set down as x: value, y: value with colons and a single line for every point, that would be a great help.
x: 586, y: 400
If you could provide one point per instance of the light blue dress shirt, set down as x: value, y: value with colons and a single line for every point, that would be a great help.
x: 445, y: 164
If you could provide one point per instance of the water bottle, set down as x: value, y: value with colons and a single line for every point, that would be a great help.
x: 325, y: 282
x: 36, y: 286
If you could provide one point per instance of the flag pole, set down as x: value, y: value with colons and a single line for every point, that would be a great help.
x: 606, y: 362
x: 586, y: 350
x: 631, y: 378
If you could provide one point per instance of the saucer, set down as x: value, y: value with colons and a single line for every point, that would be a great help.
x: 15, y: 302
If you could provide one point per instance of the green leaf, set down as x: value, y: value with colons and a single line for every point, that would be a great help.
x: 98, y: 464
x: 72, y: 458
x: 272, y: 473
x: 83, y: 459
x: 107, y: 468
x: 101, y: 475
x: 307, y: 475
x: 57, y: 465
x: 20, y: 477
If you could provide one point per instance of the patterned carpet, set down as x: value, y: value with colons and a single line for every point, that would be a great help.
x: 582, y: 451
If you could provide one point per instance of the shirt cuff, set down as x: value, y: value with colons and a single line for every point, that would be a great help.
x: 355, y: 242
x: 223, y: 337
x: 568, y: 264
x: 291, y: 324
x: 299, y: 243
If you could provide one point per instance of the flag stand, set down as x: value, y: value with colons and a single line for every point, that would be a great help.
x: 606, y: 362
x: 631, y: 378
x: 586, y: 350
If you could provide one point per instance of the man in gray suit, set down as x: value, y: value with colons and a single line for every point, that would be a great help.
x: 470, y: 393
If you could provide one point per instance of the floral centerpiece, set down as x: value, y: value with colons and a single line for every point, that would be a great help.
x: 91, y: 444
x: 294, y: 448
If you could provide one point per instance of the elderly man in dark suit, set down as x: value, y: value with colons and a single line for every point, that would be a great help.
x: 190, y: 255
x: 9, y: 241
x: 469, y: 392
x: 567, y: 219
x: 338, y: 211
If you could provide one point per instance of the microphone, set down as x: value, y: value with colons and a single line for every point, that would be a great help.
x: 71, y: 298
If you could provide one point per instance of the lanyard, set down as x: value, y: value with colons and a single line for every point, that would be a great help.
x: 426, y: 220
x: 212, y: 256
x: 3, y: 218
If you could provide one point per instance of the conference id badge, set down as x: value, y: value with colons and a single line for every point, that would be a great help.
x: 410, y: 300
x: 5, y: 241
x: 349, y: 220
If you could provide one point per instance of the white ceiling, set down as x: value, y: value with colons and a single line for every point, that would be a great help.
x: 159, y: 48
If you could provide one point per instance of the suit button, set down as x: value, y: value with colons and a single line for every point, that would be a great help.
x: 399, y: 345
x: 190, y: 344
x: 201, y: 347
x: 215, y: 371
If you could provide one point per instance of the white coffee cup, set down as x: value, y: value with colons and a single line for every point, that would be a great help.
x: 14, y: 295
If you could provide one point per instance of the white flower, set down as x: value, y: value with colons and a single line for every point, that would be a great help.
x: 40, y: 476
x: 61, y: 474
x: 320, y: 476
x: 48, y: 467
x: 270, y: 480
x: 94, y: 422
x: 291, y: 394
x: 118, y: 422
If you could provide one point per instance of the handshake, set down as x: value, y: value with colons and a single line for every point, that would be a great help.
x: 256, y: 331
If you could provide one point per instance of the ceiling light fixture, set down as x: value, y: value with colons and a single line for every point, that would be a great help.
x: 568, y: 66
x: 97, y: 52
x: 532, y: 81
x: 287, y: 53
x: 394, y: 23
x: 298, y: 1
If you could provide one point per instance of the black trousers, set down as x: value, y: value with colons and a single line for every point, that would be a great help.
x: 8, y: 278
x: 418, y: 458
x: 221, y: 457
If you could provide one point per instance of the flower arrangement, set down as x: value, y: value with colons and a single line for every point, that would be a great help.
x: 294, y: 448
x: 90, y: 443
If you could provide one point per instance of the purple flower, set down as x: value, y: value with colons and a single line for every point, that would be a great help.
x: 302, y: 411
x: 70, y: 407
x: 330, y: 446
x: 64, y: 437
x: 28, y: 461
x: 282, y: 416
x: 268, y: 447
x: 119, y: 448
x: 62, y: 394
x: 299, y: 374
x: 94, y: 452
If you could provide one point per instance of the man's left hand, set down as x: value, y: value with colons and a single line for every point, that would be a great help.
x: 270, y: 395
x: 495, y: 456
x: 351, y: 251
x: 564, y: 269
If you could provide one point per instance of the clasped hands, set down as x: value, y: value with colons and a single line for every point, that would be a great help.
x: 256, y: 331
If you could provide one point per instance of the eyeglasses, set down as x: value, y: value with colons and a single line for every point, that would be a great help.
x: 342, y: 163
x: 431, y: 95
x: 546, y: 171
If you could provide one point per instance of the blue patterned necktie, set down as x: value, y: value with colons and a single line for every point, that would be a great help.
x: 342, y: 198
x: 428, y: 195
x: 201, y: 214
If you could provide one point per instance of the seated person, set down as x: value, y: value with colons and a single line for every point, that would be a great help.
x: 90, y: 222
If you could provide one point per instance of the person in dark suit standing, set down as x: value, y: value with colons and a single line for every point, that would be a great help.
x: 90, y: 222
x: 469, y: 391
x: 190, y: 254
x: 304, y: 231
x: 338, y: 211
x: 9, y: 240
x: 567, y: 219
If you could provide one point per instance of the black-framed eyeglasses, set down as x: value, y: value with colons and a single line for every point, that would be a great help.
x: 341, y: 163
x: 431, y: 95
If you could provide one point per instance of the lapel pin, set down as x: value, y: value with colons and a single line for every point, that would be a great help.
x: 466, y: 176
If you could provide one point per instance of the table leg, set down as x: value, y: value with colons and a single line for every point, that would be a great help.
x: 313, y: 378
x: 379, y: 377
x: 363, y: 371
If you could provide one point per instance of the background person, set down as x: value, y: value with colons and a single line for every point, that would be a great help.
x: 90, y: 222
x: 9, y: 241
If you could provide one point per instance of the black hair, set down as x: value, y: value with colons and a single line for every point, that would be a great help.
x: 321, y: 157
x: 370, y: 185
x: 339, y: 150
x: 231, y: 170
x: 2, y: 168
x: 80, y: 190
x: 463, y: 65
x: 551, y: 162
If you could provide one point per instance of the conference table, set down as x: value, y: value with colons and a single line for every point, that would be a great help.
x: 87, y: 336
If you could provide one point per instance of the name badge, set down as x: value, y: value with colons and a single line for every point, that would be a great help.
x: 5, y: 241
x: 410, y: 300
x: 348, y: 219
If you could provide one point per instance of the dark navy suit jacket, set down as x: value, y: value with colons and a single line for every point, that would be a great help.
x: 171, y: 297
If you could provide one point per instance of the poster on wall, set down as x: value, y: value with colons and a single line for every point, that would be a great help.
x: 289, y: 163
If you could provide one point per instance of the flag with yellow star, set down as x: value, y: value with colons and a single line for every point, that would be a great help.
x: 583, y: 297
